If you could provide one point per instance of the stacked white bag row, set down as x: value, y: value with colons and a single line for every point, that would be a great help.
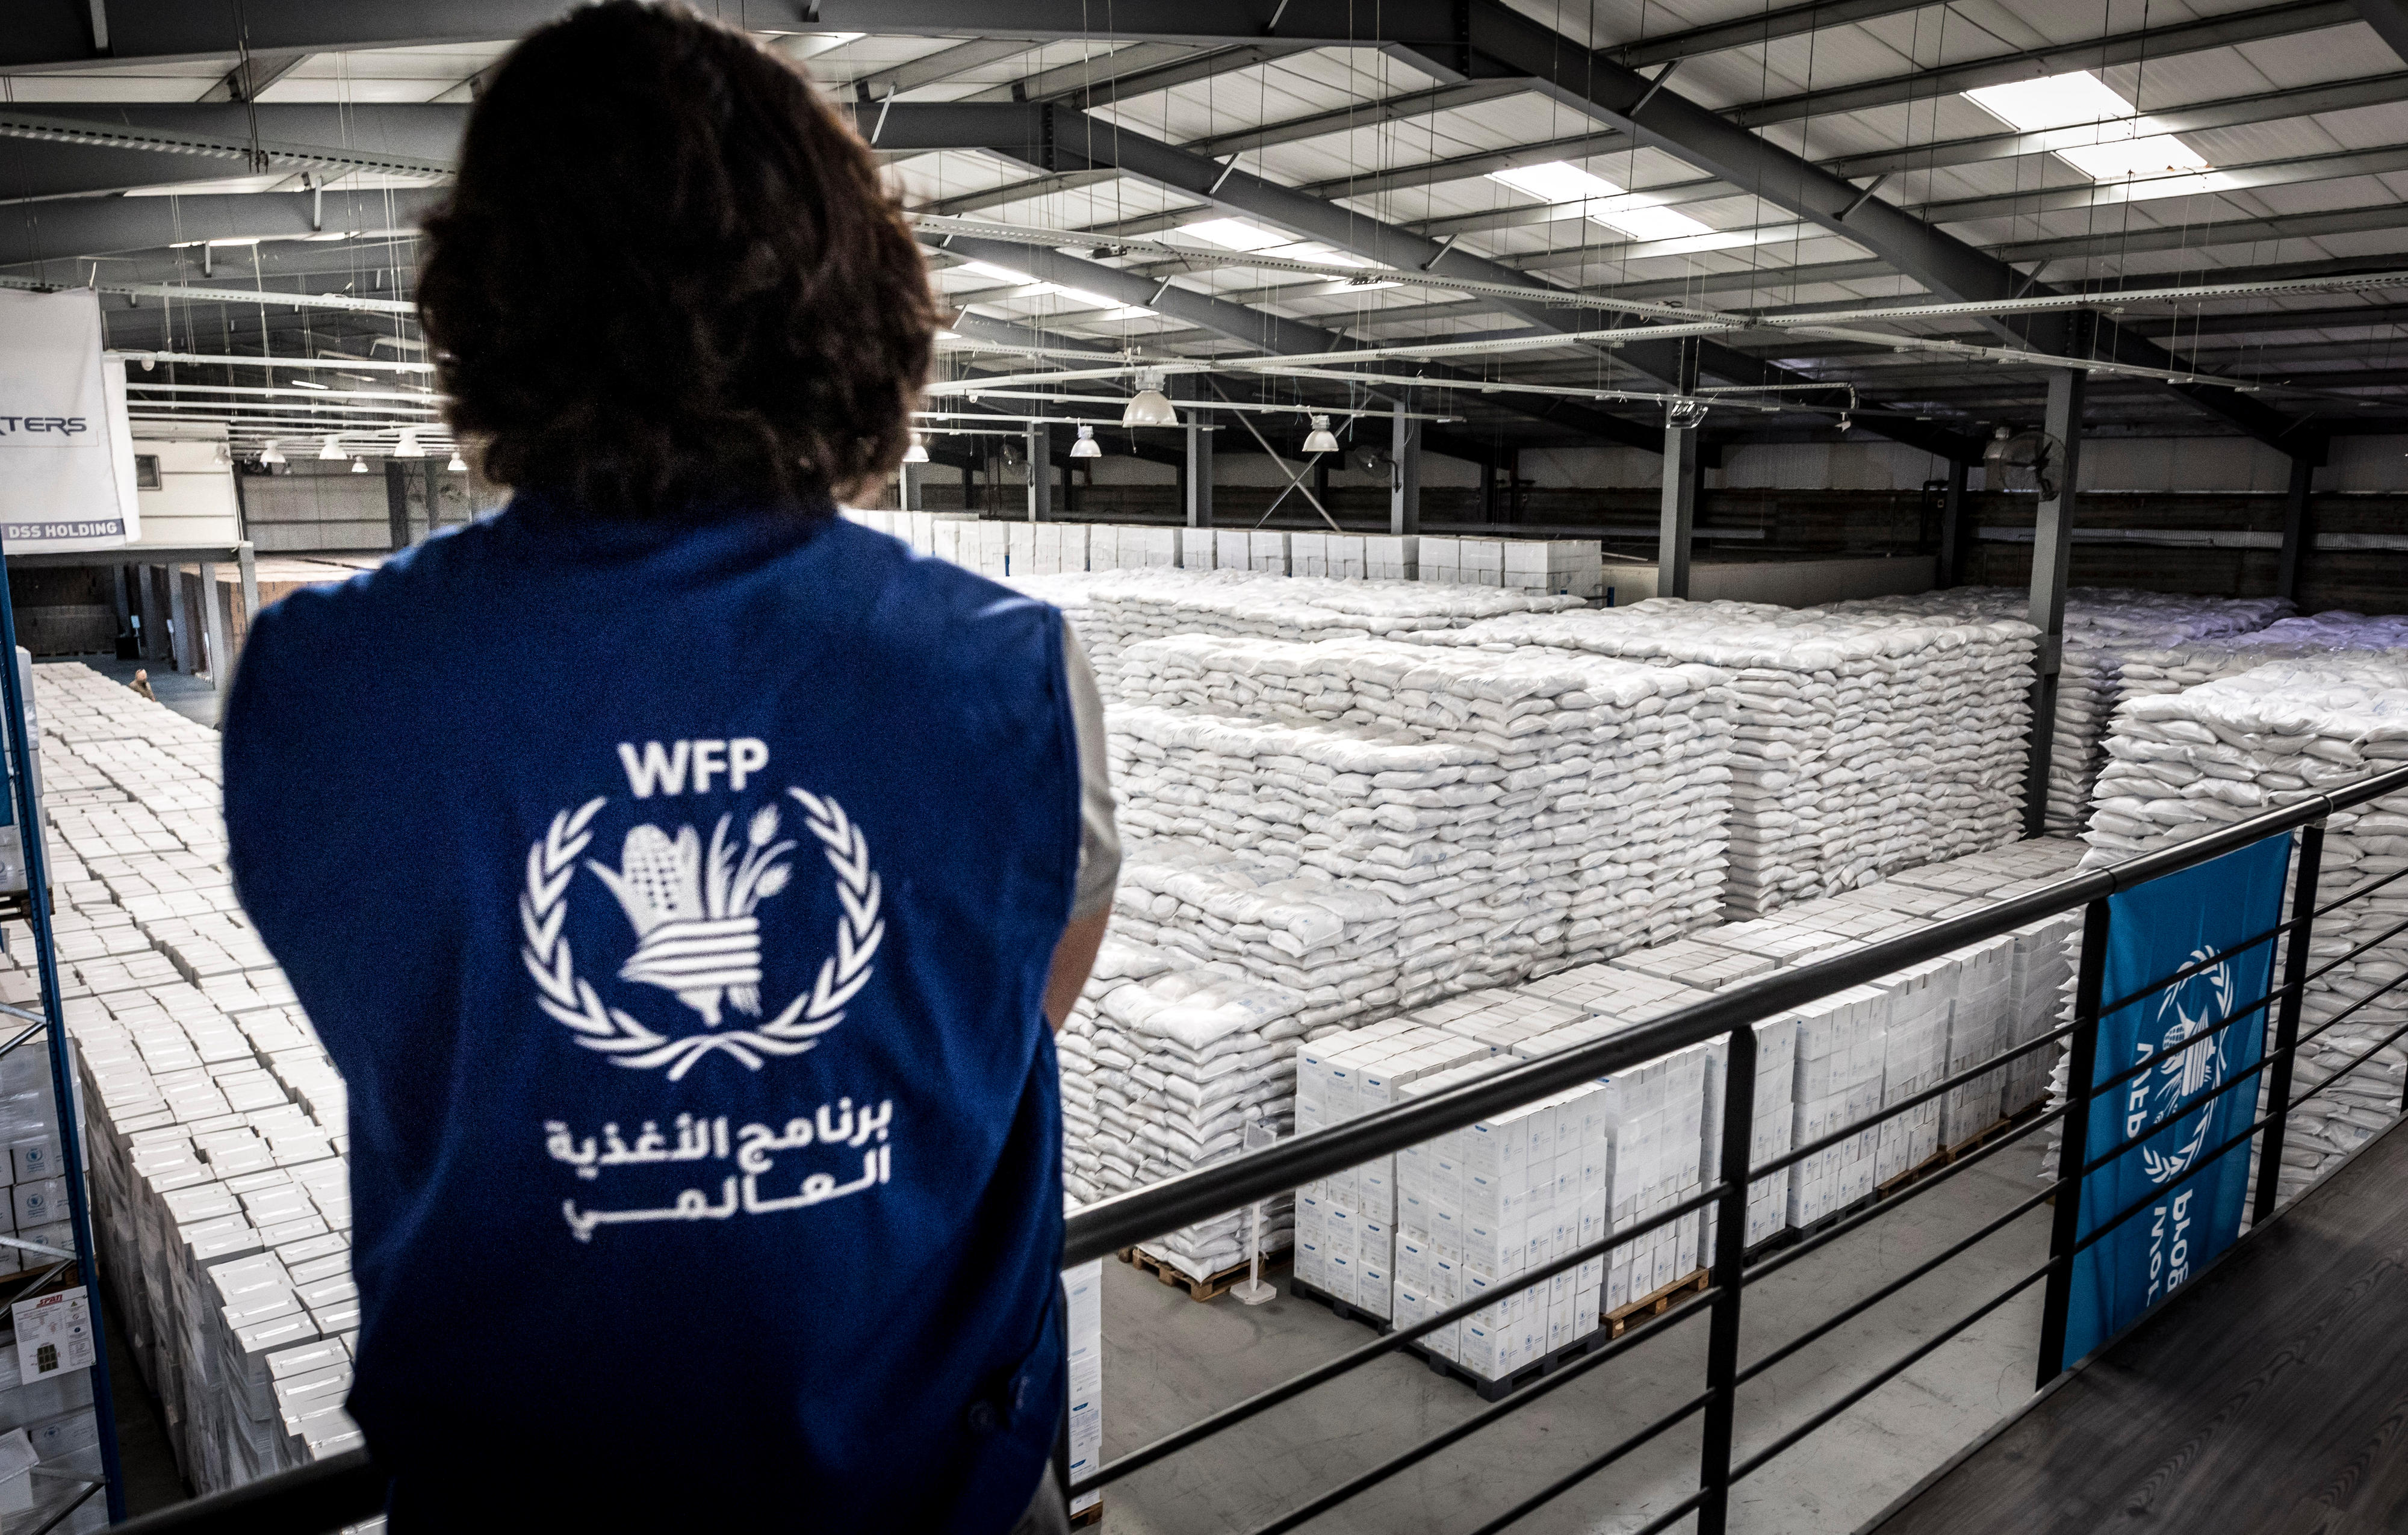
x: 2189, y: 763
x: 214, y: 1123
x: 1118, y: 609
x: 2102, y: 626
x: 1861, y: 745
x: 1563, y: 807
x: 2150, y: 672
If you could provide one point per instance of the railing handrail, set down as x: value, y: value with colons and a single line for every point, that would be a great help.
x: 1111, y: 1225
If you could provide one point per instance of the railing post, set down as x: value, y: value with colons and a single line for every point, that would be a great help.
x: 1730, y: 1255
x: 2286, y: 1018
x: 2073, y: 1149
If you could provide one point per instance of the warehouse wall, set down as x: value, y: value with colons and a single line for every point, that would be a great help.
x: 320, y: 505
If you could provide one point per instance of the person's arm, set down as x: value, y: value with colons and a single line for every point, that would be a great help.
x: 1099, y: 839
x: 1074, y: 957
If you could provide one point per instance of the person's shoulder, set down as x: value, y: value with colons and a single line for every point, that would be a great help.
x: 923, y: 598
x: 398, y: 586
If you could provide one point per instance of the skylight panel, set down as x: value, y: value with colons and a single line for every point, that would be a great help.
x: 992, y: 273
x: 2124, y: 149
x: 1633, y: 213
x: 1234, y: 235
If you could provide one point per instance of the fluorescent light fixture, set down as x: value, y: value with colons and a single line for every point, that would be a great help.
x: 1087, y: 447
x: 1234, y: 235
x: 1254, y: 240
x: 2080, y: 97
x: 1561, y: 183
x: 996, y: 274
x: 310, y: 383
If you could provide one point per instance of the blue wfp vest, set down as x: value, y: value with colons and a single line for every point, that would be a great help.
x: 677, y: 904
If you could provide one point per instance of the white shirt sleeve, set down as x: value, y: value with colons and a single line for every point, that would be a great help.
x: 1099, y: 836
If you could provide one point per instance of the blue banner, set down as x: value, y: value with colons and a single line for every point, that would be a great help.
x: 2157, y: 930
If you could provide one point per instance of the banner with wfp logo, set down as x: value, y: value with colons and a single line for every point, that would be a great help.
x: 67, y: 455
x: 2154, y: 931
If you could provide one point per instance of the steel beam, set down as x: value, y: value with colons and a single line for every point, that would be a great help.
x: 2051, y: 556
x: 59, y: 231
x: 938, y: 67
x: 2299, y: 535
x: 2153, y: 45
x: 2389, y: 20
x: 1058, y: 139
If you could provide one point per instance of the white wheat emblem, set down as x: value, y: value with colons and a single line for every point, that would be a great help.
x: 696, y: 933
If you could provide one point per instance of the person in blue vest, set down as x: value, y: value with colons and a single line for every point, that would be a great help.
x: 685, y: 878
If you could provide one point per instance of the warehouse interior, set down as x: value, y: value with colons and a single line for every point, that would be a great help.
x: 1824, y: 459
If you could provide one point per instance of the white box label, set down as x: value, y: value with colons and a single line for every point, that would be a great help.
x: 53, y: 1335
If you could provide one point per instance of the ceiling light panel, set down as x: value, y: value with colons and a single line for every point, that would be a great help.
x: 1633, y: 213
x: 2124, y: 149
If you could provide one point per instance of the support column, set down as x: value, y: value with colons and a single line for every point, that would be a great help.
x: 1039, y: 450
x: 1488, y: 488
x: 1949, y: 568
x: 216, y: 626
x: 179, y: 627
x: 1405, y: 474
x: 124, y: 607
x: 2298, y: 533
x: 396, y: 504
x: 1514, y: 485
x: 2051, y: 556
x: 433, y: 475
x: 247, y: 561
x: 1200, y: 466
x: 1676, y: 526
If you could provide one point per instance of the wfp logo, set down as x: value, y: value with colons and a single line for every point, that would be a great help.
x: 2189, y: 1064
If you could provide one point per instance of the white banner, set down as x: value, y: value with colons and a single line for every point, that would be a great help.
x: 66, y: 451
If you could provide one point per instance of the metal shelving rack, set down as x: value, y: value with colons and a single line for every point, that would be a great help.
x: 50, y: 1025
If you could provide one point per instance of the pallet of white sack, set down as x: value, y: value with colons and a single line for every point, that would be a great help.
x: 1488, y: 1389
x: 1654, y: 1304
x: 1210, y: 1288
x: 2006, y: 1125
x: 1346, y: 1311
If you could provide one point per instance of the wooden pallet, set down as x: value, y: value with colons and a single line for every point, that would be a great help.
x: 1088, y: 1517
x: 1211, y: 1286
x: 1648, y: 1307
x: 1345, y: 1310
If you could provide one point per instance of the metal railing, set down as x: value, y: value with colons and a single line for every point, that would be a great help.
x: 347, y: 1487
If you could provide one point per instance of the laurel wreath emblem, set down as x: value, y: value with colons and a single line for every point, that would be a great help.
x: 552, y: 864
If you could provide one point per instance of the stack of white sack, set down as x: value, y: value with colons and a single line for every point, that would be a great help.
x: 1172, y: 1061
x: 1519, y: 813
x: 2102, y: 625
x: 2150, y: 672
x: 2190, y: 762
x: 1863, y: 744
x: 1115, y: 609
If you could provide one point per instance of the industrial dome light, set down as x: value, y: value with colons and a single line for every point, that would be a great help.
x: 1320, y: 440
x: 917, y: 452
x: 1148, y: 406
x: 1087, y: 447
x: 458, y: 464
x: 269, y: 454
x: 359, y: 465
x: 331, y: 451
x: 407, y: 447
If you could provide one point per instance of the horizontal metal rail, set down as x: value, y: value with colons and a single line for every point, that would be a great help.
x: 1113, y: 1224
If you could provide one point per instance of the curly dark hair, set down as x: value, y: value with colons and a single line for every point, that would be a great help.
x: 670, y: 274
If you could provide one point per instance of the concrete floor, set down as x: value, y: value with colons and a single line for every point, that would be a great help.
x: 1169, y: 1360
x: 193, y: 697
